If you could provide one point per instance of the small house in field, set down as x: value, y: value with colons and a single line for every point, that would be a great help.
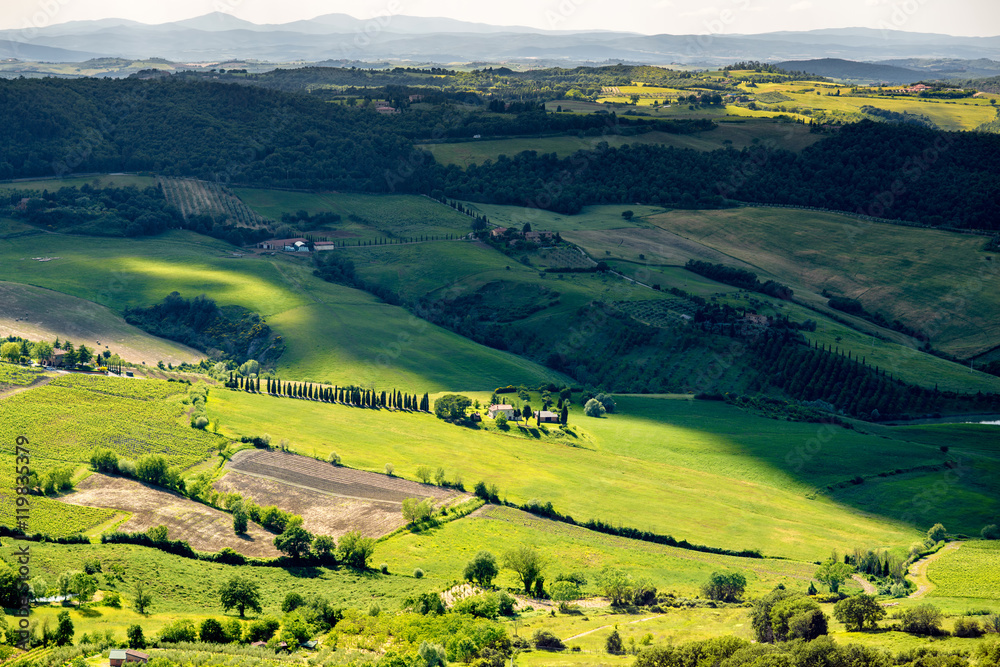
x: 476, y: 417
x: 283, y: 244
x: 498, y: 232
x: 324, y: 245
x: 546, y: 417
x: 121, y: 656
x: 496, y: 409
x: 537, y: 237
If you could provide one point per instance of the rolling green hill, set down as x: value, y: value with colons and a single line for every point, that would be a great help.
x: 331, y: 333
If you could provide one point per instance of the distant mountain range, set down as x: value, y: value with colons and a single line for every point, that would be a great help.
x: 220, y: 37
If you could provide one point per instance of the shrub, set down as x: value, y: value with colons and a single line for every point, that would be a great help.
x: 924, y: 619
x: 479, y: 606
x: 482, y: 569
x: 292, y: 602
x: 968, y: 627
x: 181, y: 630
x: 725, y: 586
x: 334, y: 458
x: 261, y: 630
x: 113, y: 599
x: 201, y: 422
x: 859, y: 612
x: 594, y: 408
x: 937, y: 533
x: 613, y: 644
x: 547, y: 641
x: 991, y: 532
x: 390, y: 469
x: 355, y: 550
x: 104, y: 460
x: 384, y: 568
x: 564, y: 591
x: 452, y: 406
x: 211, y: 632
x: 418, y: 573
x: 135, y: 638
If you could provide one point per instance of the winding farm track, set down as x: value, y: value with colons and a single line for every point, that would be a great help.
x: 918, y: 570
x: 584, y: 634
x: 867, y: 586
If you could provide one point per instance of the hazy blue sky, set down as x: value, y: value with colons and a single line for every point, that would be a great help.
x: 957, y: 17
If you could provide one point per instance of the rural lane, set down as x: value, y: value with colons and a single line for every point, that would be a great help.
x: 918, y: 570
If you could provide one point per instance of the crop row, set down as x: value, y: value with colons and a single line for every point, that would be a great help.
x: 145, y: 390
x: 51, y: 517
x: 19, y: 375
x: 192, y: 197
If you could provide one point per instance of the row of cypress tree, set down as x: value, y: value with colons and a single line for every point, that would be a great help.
x: 357, y: 396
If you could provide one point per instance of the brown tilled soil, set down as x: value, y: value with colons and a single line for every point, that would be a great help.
x: 313, y: 474
x: 331, y: 500
x: 204, y: 528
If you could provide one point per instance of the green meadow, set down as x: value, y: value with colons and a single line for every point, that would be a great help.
x: 443, y: 551
x: 732, y: 132
x: 363, y: 216
x: 331, y: 333
x: 744, y: 481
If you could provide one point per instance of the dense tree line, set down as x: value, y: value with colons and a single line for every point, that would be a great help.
x: 229, y: 332
x: 357, y: 396
x: 125, y: 211
x: 737, y: 277
x: 903, y: 172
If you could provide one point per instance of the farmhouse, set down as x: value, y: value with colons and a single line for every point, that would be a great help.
x: 496, y: 409
x: 57, y: 358
x: 121, y: 656
x: 546, y: 417
x: 284, y: 244
x: 324, y: 245
x: 498, y: 232
x: 537, y: 237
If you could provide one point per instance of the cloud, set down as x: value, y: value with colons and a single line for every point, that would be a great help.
x: 800, y: 6
x: 663, y: 4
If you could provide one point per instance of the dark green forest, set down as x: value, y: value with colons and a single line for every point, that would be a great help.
x: 254, y: 136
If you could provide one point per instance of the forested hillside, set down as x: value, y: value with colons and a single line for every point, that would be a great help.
x: 250, y: 135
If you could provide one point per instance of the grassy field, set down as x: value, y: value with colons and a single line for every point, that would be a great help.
x: 183, y: 587
x: 654, y: 245
x: 442, y: 552
x: 362, y: 216
x: 99, y: 180
x: 963, y: 114
x: 722, y: 463
x: 71, y: 416
x: 731, y: 132
x: 42, y: 314
x: 331, y: 332
x: 934, y: 279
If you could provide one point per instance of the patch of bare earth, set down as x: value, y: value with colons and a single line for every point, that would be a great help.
x: 331, y: 500
x: 203, y: 527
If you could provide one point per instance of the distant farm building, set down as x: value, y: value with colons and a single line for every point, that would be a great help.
x: 537, y: 237
x: 297, y: 244
x: 498, y: 232
x: 507, y: 410
x: 121, y: 656
x: 546, y: 417
x: 385, y: 108
x: 324, y: 245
